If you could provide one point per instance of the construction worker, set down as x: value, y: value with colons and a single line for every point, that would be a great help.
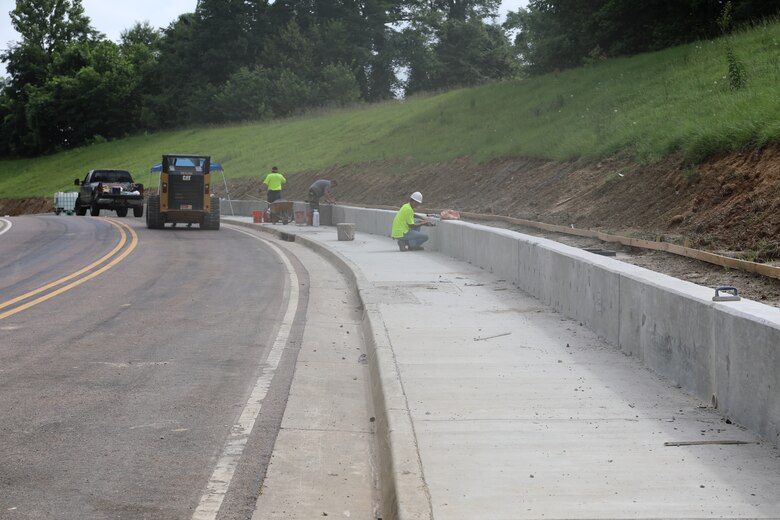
x: 274, y: 181
x: 405, y: 229
x: 321, y: 188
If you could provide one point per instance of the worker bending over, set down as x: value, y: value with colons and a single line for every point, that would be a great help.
x: 405, y: 229
x: 319, y: 189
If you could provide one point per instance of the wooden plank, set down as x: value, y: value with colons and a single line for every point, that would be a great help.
x: 688, y: 252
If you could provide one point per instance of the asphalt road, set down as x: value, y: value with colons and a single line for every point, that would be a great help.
x: 127, y: 357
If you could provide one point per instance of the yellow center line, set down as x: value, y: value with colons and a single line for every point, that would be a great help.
x: 61, y: 281
x: 112, y: 263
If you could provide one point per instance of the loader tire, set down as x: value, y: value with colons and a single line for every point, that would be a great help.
x: 153, y: 218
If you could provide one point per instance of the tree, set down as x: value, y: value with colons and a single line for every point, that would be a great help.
x: 47, y: 29
x: 379, y: 80
x: 462, y: 10
x: 221, y: 39
x: 470, y: 53
x: 167, y: 98
x: 448, y: 43
x: 243, y: 97
x: 51, y: 25
x: 337, y: 86
x: 99, y: 100
x: 416, y: 56
x: 140, y: 34
x: 556, y: 34
x: 353, y: 33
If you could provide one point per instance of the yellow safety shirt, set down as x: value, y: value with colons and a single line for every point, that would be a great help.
x: 403, y: 220
x: 274, y: 181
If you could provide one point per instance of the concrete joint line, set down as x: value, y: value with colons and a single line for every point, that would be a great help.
x: 404, y: 491
x: 219, y: 483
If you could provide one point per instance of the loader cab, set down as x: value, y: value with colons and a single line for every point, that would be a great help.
x: 185, y: 183
x: 184, y: 193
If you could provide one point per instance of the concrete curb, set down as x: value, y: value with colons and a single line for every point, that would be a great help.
x: 403, y: 489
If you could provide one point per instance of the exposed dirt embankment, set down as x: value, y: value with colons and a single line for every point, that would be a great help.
x: 730, y: 203
x: 25, y: 206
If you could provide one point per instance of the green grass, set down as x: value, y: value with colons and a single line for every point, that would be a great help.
x: 649, y: 106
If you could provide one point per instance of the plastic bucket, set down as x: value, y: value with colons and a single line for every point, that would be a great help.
x: 300, y: 217
x: 257, y: 217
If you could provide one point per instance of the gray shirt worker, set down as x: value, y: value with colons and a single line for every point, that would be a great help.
x: 318, y: 190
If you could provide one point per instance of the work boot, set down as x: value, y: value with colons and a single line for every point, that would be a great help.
x: 417, y: 248
x: 403, y: 245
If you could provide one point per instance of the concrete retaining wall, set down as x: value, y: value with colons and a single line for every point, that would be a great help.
x: 726, y: 354
x: 241, y: 208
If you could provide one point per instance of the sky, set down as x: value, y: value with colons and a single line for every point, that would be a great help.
x: 111, y: 17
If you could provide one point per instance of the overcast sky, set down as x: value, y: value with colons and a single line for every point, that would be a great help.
x: 112, y: 17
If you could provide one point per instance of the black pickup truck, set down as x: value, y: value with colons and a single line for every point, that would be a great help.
x: 109, y: 189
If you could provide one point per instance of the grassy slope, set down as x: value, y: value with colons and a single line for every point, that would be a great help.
x: 648, y: 106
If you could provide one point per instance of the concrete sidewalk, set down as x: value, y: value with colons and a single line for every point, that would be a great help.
x: 499, y: 408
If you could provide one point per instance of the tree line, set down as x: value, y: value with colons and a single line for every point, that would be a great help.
x: 559, y: 34
x: 241, y: 60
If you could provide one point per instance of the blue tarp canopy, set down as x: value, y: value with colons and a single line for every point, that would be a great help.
x: 212, y: 166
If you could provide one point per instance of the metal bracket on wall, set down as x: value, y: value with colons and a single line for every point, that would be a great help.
x: 732, y: 297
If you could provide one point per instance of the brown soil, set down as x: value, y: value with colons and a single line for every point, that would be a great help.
x: 729, y: 204
x: 25, y: 206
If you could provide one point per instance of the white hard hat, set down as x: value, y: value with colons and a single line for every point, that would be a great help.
x: 417, y: 197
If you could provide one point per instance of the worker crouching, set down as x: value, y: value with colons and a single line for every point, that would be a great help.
x: 405, y: 229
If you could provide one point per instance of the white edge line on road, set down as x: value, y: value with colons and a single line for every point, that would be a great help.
x: 211, y: 501
x: 7, y: 226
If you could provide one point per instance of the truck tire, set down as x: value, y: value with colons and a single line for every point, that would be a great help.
x: 153, y: 218
x: 211, y: 221
x: 121, y: 212
x: 138, y: 211
x: 80, y: 210
x: 94, y: 211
